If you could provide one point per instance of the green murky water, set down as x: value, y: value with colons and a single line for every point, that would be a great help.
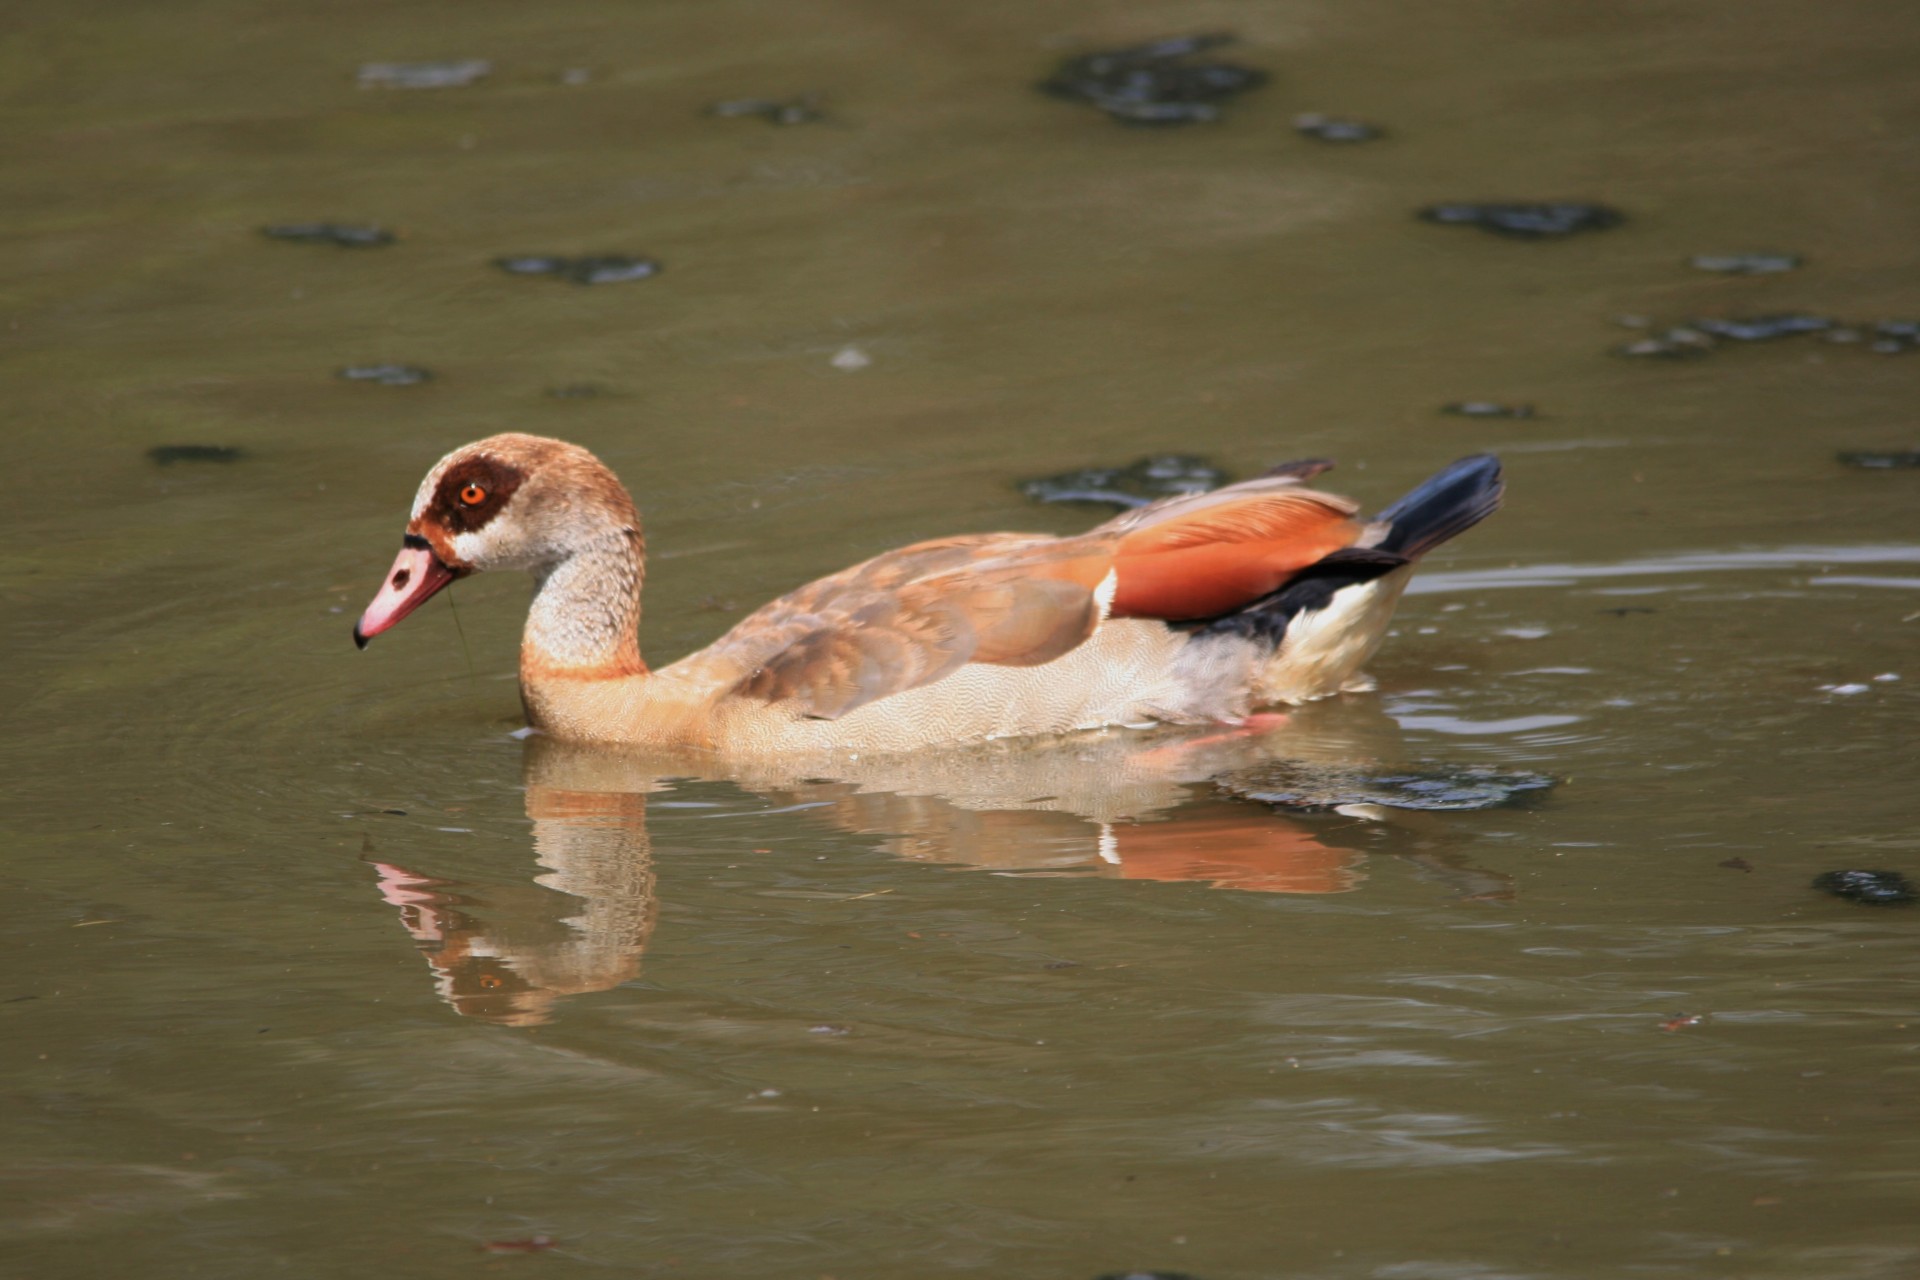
x: 313, y: 969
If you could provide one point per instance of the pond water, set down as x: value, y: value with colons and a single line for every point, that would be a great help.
x: 314, y: 968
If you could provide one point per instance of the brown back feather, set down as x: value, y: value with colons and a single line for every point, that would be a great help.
x: 914, y: 616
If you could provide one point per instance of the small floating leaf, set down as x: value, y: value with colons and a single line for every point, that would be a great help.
x: 1487, y: 409
x: 1746, y: 264
x: 1332, y: 129
x: 605, y: 268
x: 1527, y: 221
x: 168, y: 454
x: 423, y: 75
x: 387, y: 375
x: 1140, y: 482
x: 345, y: 235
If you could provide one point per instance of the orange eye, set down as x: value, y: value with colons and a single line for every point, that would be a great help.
x: 473, y: 495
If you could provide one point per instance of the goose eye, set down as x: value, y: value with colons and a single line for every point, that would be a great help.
x: 473, y: 495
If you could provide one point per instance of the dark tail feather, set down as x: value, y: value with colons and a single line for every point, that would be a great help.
x: 1443, y: 505
x: 1312, y: 588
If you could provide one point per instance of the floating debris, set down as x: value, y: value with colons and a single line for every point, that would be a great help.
x: 1876, y: 888
x: 850, y: 359
x: 1297, y: 785
x: 345, y: 234
x: 1746, y: 264
x: 607, y: 268
x: 1735, y: 864
x: 1487, y: 409
x: 1526, y: 221
x: 423, y: 75
x: 1151, y: 84
x: 1889, y: 460
x: 1334, y: 129
x: 387, y: 375
x: 1681, y: 1021
x: 804, y: 109
x: 168, y: 454
x: 1146, y: 480
x: 1146, y: 1275
x: 577, y: 391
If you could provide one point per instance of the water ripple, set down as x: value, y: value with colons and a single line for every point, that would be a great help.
x: 1567, y: 575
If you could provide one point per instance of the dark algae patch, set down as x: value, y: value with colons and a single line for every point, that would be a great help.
x: 168, y: 454
x: 387, y: 375
x: 347, y: 235
x: 1746, y: 264
x: 1698, y: 336
x: 804, y: 109
x: 1292, y: 784
x: 605, y: 268
x: 1526, y: 221
x: 1764, y: 328
x: 1876, y: 888
x: 1161, y: 83
x: 1160, y: 475
x: 1881, y: 460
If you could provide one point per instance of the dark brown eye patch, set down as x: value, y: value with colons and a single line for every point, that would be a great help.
x: 473, y: 491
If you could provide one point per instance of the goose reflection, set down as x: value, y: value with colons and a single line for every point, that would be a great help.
x: 581, y: 925
x: 1126, y: 805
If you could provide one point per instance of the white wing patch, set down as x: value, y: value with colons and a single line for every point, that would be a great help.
x: 1103, y: 594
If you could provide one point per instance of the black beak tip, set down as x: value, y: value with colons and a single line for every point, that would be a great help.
x: 359, y: 641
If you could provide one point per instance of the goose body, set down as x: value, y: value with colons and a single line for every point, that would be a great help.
x: 1197, y: 608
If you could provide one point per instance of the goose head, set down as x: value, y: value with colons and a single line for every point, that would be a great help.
x: 507, y: 502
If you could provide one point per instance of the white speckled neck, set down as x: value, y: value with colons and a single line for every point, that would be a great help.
x: 585, y: 615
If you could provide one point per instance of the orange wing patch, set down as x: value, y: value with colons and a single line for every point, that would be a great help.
x: 1200, y: 558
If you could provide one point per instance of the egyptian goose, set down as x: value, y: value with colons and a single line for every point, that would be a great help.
x: 1197, y: 608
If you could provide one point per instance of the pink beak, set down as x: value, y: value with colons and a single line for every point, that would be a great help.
x: 415, y: 577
